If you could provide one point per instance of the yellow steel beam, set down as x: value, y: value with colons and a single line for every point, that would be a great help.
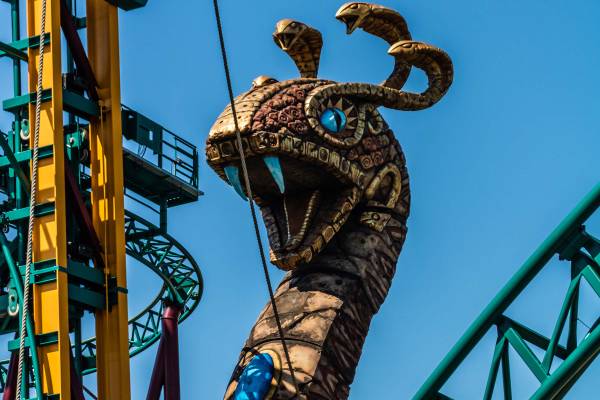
x: 50, y: 300
x: 107, y: 197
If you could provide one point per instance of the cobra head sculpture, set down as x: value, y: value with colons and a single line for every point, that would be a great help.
x: 330, y: 179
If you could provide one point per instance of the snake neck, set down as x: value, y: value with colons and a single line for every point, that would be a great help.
x: 357, y: 254
x: 326, y: 308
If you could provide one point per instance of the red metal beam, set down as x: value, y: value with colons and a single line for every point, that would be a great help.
x: 76, y: 386
x: 10, y: 388
x: 83, y: 215
x: 157, y: 380
x: 165, y: 373
x: 170, y: 333
x: 77, y: 50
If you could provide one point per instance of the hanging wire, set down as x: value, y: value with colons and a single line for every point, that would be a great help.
x: 32, y: 204
x: 250, y: 199
x: 583, y: 323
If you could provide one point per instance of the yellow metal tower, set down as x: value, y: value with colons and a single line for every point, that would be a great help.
x: 65, y: 149
x: 50, y: 299
x: 107, y: 198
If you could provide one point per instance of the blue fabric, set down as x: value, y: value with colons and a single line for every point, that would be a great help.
x: 333, y: 119
x: 255, y: 380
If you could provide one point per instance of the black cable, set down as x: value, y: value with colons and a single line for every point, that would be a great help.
x: 250, y: 200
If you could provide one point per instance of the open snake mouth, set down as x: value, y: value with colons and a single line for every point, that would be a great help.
x: 303, y: 192
x: 351, y: 22
x: 286, y: 40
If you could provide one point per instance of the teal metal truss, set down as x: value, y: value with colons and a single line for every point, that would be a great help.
x: 182, y: 284
x: 161, y: 172
x: 574, y: 245
x: 181, y: 277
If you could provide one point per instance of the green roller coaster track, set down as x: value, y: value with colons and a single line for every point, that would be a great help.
x: 182, y: 283
x: 573, y: 244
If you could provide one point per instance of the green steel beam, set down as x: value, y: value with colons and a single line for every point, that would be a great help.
x: 79, y: 105
x: 506, y: 383
x: 560, y: 323
x: 44, y: 339
x: 551, y: 246
x: 8, y: 153
x: 12, y: 52
x: 17, y: 103
x: 85, y: 273
x: 88, y: 298
x: 534, y: 337
x: 493, y: 374
x: 592, y: 278
x: 24, y: 44
x: 72, y: 102
x: 23, y: 213
x: 561, y: 380
x: 526, y: 354
x: 42, y: 271
x: 25, y: 156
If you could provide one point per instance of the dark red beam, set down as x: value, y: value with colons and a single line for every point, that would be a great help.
x: 165, y: 374
x: 10, y: 386
x: 76, y: 386
x: 83, y: 216
x: 77, y: 50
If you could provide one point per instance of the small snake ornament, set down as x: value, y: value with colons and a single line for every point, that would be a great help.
x: 331, y: 182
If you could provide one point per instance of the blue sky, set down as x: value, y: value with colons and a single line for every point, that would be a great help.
x: 494, y: 167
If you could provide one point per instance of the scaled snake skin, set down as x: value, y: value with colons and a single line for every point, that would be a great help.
x: 339, y: 227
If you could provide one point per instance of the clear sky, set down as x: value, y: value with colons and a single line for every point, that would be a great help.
x: 494, y: 167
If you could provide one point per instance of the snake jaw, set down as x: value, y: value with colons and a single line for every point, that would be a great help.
x: 285, y: 40
x: 352, y: 15
x: 302, y: 43
x: 405, y: 48
x: 306, y: 177
x: 287, y: 32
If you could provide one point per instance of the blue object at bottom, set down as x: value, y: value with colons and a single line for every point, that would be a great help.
x: 255, y: 381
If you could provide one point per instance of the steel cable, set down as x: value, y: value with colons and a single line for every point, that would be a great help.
x: 32, y: 205
x: 250, y: 199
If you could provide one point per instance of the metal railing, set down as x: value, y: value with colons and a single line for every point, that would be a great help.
x: 169, y: 151
x: 179, y: 157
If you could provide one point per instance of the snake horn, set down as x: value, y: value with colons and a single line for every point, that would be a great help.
x: 381, y: 22
x: 390, y: 26
x: 302, y: 43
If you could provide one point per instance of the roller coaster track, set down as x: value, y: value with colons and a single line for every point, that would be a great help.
x: 182, y: 284
x: 561, y: 364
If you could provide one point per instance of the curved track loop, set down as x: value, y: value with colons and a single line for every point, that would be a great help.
x: 182, y: 283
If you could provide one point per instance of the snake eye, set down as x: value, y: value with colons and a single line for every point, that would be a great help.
x: 333, y: 119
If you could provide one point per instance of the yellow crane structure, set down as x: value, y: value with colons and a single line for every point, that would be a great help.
x: 65, y: 152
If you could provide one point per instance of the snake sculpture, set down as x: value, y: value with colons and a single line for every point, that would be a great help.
x: 331, y: 182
